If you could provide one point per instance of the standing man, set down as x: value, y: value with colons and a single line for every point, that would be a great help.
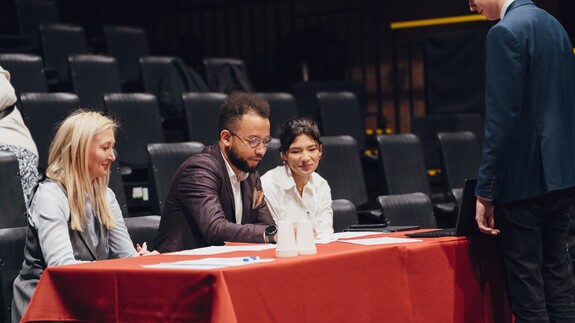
x: 216, y: 195
x: 526, y: 179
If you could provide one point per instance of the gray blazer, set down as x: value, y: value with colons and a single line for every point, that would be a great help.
x: 200, y: 210
x: 529, y: 146
x: 34, y: 264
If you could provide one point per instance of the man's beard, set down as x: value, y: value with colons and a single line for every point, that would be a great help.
x: 237, y: 162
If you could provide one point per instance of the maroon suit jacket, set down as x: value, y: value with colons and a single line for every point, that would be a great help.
x: 200, y: 210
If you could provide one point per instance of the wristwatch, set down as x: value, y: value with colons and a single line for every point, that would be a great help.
x: 270, y: 232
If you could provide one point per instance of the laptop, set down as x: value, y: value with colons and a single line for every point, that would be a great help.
x: 466, y: 224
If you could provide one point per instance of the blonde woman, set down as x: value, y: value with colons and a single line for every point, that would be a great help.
x: 73, y: 216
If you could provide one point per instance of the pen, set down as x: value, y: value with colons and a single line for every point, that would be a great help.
x: 251, y: 259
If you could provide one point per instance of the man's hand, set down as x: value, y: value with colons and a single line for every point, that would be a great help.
x: 484, y: 216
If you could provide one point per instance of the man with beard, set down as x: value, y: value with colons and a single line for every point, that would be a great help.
x: 216, y: 195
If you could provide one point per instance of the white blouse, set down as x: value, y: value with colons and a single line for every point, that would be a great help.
x: 285, y: 203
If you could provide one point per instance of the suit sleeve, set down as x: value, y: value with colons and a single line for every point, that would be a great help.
x: 199, y: 193
x: 49, y: 214
x: 505, y: 77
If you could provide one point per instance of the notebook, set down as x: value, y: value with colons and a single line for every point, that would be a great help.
x: 466, y: 224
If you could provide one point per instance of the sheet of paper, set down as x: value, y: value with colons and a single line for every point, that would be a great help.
x: 380, y: 241
x: 343, y: 235
x: 355, y: 234
x: 210, y: 263
x: 168, y: 265
x: 214, y: 250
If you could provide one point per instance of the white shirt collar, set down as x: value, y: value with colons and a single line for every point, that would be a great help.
x: 288, y: 182
x: 505, y: 6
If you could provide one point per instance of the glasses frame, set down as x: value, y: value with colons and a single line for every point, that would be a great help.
x: 255, y: 142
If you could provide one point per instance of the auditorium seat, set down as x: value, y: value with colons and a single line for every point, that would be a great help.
x: 165, y: 159
x: 283, y: 107
x: 403, y: 169
x: 140, y: 123
x: 13, y: 208
x: 33, y: 13
x: 202, y: 112
x: 271, y: 158
x: 341, y: 167
x: 42, y: 112
x: 340, y: 114
x: 344, y: 214
x: 127, y: 44
x: 26, y: 72
x: 227, y: 74
x: 408, y: 209
x: 460, y: 158
x: 58, y: 42
x: 92, y: 77
x: 12, y: 242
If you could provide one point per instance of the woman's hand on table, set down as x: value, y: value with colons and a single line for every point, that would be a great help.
x: 143, y: 250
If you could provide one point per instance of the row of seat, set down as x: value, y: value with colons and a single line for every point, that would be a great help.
x: 400, y: 160
x: 93, y: 76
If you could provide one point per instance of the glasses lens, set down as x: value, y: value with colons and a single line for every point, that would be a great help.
x: 254, y: 142
x: 267, y: 141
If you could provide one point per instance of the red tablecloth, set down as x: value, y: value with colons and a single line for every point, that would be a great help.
x: 438, y: 280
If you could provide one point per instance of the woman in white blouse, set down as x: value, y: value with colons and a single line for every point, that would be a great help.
x: 73, y: 216
x: 294, y: 191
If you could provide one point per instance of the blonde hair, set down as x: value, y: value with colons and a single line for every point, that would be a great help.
x: 68, y: 166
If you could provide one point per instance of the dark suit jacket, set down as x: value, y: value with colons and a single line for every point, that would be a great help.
x: 529, y: 146
x: 200, y: 210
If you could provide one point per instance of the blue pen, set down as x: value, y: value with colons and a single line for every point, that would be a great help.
x: 251, y: 258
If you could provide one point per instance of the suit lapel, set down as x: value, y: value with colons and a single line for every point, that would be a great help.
x: 87, y: 241
x: 227, y: 198
x: 247, y: 200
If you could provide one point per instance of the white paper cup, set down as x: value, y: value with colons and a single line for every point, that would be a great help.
x: 305, y: 239
x: 286, y: 245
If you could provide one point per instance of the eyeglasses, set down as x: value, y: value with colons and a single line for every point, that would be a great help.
x: 254, y: 142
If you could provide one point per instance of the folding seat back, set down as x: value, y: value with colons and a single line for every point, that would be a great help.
x: 92, y: 77
x: 272, y: 158
x: 12, y: 241
x: 127, y: 44
x: 340, y: 115
x: 165, y: 159
x: 283, y: 108
x: 460, y: 156
x: 26, y: 72
x: 42, y: 112
x: 58, y: 42
x: 408, y: 209
x: 13, y: 208
x: 202, y: 112
x: 32, y: 14
x: 140, y: 124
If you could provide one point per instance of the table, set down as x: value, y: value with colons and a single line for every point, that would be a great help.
x: 451, y: 279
